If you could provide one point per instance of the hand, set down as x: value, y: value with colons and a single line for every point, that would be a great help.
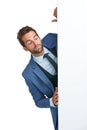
x: 55, y: 14
x: 54, y: 20
x: 55, y: 97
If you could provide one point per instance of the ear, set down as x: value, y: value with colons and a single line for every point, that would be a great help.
x: 25, y: 49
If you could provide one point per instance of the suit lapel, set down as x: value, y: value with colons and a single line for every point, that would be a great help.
x: 53, y: 50
x: 41, y: 75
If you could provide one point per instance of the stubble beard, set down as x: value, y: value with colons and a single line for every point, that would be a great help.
x: 38, y: 50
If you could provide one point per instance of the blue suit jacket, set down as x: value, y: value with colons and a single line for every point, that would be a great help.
x: 39, y: 85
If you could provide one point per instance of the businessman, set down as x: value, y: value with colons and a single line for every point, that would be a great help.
x: 41, y: 72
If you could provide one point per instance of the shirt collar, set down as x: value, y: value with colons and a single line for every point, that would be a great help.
x: 40, y: 58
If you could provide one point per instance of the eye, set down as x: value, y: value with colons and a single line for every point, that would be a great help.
x: 28, y: 42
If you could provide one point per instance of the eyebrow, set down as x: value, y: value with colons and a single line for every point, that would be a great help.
x: 35, y: 35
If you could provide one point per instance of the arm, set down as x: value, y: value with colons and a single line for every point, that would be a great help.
x: 39, y: 98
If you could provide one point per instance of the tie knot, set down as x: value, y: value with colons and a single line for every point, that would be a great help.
x: 45, y: 55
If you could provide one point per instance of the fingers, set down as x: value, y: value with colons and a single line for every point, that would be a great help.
x: 55, y: 12
x: 54, y: 20
x: 55, y: 97
x: 55, y: 15
x: 56, y: 89
x: 55, y: 100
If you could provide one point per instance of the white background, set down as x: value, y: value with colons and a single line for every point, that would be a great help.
x: 17, y: 109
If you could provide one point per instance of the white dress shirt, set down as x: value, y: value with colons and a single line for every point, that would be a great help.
x: 44, y: 63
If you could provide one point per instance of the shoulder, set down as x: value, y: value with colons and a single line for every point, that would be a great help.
x: 27, y: 70
x: 50, y: 39
x: 50, y: 36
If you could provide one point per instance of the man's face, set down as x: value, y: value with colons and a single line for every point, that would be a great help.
x: 32, y: 43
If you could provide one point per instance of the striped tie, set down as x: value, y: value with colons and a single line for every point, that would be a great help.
x: 54, y: 64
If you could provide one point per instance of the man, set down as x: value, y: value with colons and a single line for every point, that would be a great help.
x: 40, y: 75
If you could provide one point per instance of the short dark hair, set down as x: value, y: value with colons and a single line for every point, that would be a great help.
x: 22, y: 32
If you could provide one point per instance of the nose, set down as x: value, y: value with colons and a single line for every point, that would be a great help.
x: 35, y: 42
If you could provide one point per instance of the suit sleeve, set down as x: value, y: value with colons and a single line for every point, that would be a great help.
x: 39, y: 98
